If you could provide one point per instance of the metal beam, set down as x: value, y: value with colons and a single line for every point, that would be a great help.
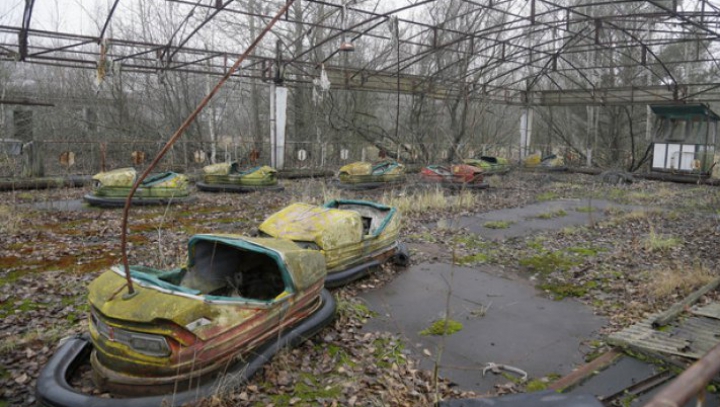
x: 23, y: 34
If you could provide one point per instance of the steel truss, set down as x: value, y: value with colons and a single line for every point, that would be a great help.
x: 539, y: 52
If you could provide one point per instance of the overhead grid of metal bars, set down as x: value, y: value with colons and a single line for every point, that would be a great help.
x: 540, y: 52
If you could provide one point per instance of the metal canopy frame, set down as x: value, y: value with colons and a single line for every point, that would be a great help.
x: 523, y: 52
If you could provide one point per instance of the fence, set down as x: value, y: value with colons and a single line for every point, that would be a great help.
x: 82, y: 158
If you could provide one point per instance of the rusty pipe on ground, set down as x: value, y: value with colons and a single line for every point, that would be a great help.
x: 179, y: 132
x: 691, y: 382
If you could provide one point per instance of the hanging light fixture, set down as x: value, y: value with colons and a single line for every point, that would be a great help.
x: 345, y: 45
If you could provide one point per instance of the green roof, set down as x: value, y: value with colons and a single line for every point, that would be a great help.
x: 684, y: 111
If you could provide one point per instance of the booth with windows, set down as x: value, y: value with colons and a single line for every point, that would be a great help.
x: 684, y: 138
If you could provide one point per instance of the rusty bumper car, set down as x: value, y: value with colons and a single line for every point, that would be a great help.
x: 189, y: 333
x: 365, y: 175
x: 229, y: 177
x: 551, y: 162
x: 489, y: 164
x: 458, y: 176
x: 354, y: 236
x: 113, y: 187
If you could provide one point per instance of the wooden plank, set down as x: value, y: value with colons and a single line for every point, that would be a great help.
x: 690, y: 338
x: 710, y: 311
x: 585, y: 371
x: 677, y: 308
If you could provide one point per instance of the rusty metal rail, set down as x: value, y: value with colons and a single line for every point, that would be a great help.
x: 692, y: 382
x: 178, y: 133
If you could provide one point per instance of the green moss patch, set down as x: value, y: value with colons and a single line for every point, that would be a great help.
x: 547, y: 196
x: 474, y: 259
x: 498, y: 224
x: 536, y: 385
x: 307, y: 391
x: 552, y: 214
x: 561, y: 291
x: 442, y: 327
x: 585, y: 209
x: 549, y: 262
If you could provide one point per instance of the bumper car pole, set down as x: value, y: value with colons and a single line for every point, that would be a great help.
x: 179, y: 132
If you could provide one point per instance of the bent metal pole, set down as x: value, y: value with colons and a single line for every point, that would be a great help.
x: 179, y: 132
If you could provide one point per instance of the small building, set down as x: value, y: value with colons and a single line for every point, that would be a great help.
x: 684, y: 138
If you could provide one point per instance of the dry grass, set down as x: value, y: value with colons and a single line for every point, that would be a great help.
x: 679, y: 279
x: 315, y: 192
x: 655, y: 242
x: 495, y: 181
x: 641, y: 214
x: 10, y: 220
x: 46, y: 335
x: 431, y: 200
x: 465, y: 200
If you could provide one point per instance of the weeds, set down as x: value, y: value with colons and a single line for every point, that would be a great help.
x: 659, y: 243
x: 498, y: 224
x: 46, y: 335
x: 585, y: 209
x: 564, y: 290
x: 10, y: 220
x: 552, y: 214
x: 570, y: 231
x: 547, y: 196
x: 494, y: 181
x: 352, y: 308
x: 307, y: 391
x: 679, y: 279
x: 433, y: 200
x: 388, y: 352
x: 474, y: 259
x: 549, y: 262
x: 343, y: 358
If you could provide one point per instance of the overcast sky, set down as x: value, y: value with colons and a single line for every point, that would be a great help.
x: 73, y: 16
x: 87, y: 16
x: 79, y: 16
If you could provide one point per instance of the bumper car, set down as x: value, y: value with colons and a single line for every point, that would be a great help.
x: 354, y: 236
x: 550, y: 162
x: 490, y: 165
x: 365, y: 175
x: 228, y: 177
x: 459, y: 176
x: 113, y: 187
x: 193, y: 332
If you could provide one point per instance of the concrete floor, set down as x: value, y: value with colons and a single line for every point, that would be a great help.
x: 504, y: 321
x: 526, y: 220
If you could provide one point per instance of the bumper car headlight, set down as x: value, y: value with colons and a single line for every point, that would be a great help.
x: 152, y: 345
x: 147, y: 344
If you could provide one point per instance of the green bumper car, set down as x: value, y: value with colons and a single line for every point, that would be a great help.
x: 490, y: 165
x: 366, y: 175
x: 113, y: 187
x: 228, y: 177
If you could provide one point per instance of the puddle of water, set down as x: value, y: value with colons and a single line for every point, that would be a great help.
x: 529, y: 219
x: 518, y: 327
